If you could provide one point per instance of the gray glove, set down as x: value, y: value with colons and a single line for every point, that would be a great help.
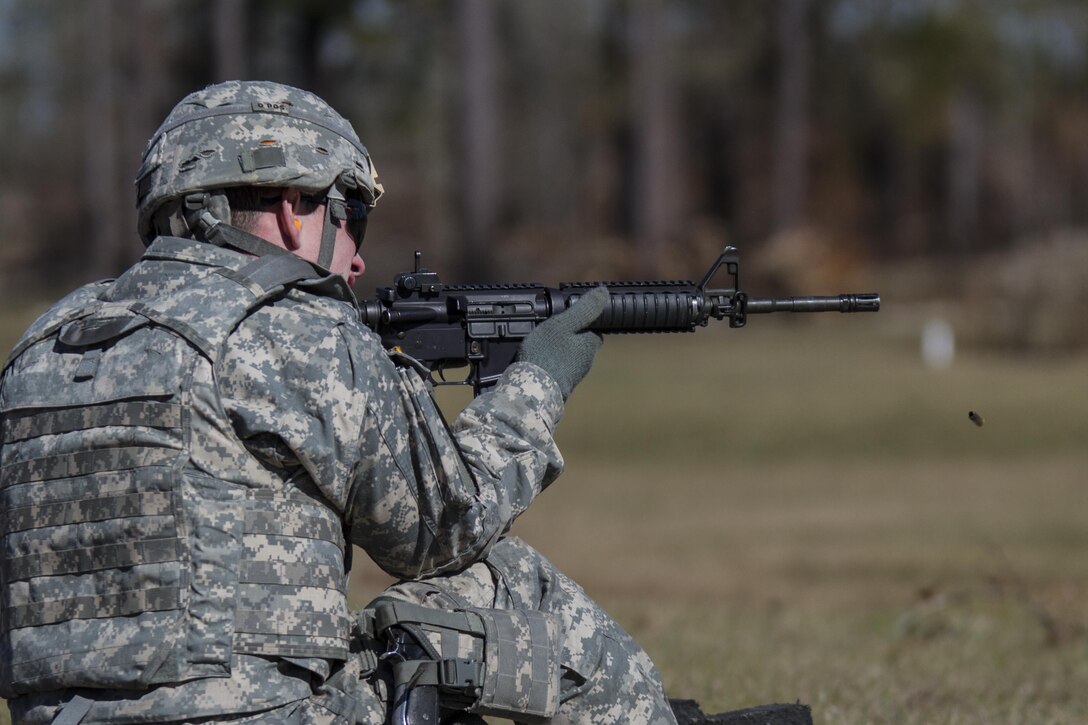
x: 561, y: 344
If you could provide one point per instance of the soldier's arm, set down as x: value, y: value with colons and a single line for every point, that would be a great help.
x: 321, y: 403
x: 429, y: 498
x: 467, y: 485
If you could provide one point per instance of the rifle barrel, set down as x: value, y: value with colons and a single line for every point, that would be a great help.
x: 830, y: 303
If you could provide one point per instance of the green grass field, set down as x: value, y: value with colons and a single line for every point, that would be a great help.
x: 804, y: 512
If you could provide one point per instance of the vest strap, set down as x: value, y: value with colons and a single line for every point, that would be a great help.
x: 92, y: 558
x: 84, y: 462
x: 108, y: 605
x: 73, y: 711
x: 296, y: 524
x: 302, y: 624
x: 104, y: 508
x: 21, y: 425
x: 389, y: 612
x: 289, y: 573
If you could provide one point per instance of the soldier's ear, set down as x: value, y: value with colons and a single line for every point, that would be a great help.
x: 288, y: 220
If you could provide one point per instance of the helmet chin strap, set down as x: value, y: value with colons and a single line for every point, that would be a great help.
x: 335, y: 215
x: 207, y: 226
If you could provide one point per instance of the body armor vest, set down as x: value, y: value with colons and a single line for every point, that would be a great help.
x: 141, y: 542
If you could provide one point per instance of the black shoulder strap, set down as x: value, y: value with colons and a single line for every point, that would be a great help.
x: 278, y: 270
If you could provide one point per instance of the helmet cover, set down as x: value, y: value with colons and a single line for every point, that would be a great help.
x: 251, y: 133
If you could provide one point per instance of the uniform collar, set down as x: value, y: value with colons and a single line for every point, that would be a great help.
x: 205, y: 254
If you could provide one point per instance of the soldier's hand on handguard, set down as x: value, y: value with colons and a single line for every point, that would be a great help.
x: 562, y: 345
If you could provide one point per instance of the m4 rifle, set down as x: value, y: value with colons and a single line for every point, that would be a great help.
x: 481, y: 326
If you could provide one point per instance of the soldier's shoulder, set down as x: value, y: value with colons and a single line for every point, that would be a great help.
x: 69, y: 306
x: 315, y: 323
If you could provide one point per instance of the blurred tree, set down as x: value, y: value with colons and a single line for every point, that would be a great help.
x: 480, y: 163
x: 792, y: 118
x: 547, y: 94
x: 147, y: 98
x: 292, y: 42
x: 727, y: 61
x: 230, y: 23
x: 104, y: 192
x: 932, y: 74
x: 657, y: 184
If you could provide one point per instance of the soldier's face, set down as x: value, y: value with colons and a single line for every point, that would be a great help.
x: 346, y: 261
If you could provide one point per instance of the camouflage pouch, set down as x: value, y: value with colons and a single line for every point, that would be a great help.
x: 502, y: 663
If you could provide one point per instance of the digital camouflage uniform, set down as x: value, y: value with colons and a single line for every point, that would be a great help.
x: 188, y: 453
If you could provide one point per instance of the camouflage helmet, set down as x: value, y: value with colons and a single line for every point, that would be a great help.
x: 247, y: 133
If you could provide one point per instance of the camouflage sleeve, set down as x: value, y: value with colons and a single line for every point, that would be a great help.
x: 315, y: 394
x: 286, y: 377
x: 430, y: 499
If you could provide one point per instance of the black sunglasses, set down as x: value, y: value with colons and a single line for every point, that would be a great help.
x: 354, y: 214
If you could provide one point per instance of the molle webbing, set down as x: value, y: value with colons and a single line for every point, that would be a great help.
x: 103, y: 508
x: 272, y: 523
x: 122, y: 604
x: 149, y: 413
x: 271, y: 631
x: 522, y: 651
x: 66, y: 465
x: 47, y: 505
x: 287, y: 573
x: 92, y: 558
x: 297, y: 624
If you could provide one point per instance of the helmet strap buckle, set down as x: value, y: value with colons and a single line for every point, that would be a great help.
x: 195, y: 202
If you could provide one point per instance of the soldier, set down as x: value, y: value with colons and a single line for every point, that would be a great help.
x: 189, y: 451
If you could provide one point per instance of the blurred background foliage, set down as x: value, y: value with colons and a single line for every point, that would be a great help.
x: 936, y: 148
